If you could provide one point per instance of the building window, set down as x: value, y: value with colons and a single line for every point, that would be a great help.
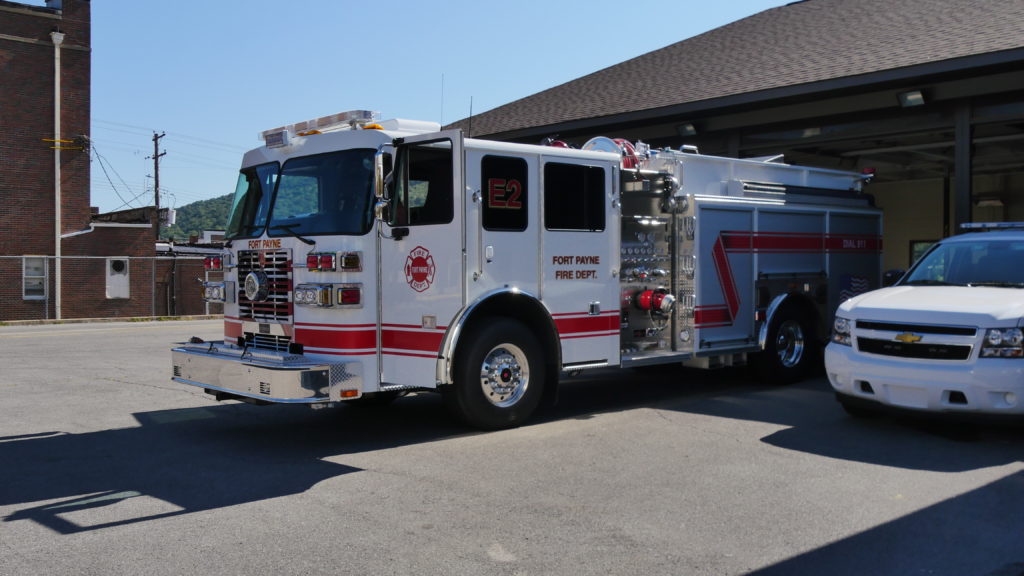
x: 33, y: 278
x: 117, y: 278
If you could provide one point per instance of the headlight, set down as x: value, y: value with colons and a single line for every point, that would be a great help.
x: 1003, y: 343
x: 841, y: 331
x: 313, y: 295
x: 218, y: 291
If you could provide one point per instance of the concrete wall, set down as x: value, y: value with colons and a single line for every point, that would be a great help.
x: 913, y: 210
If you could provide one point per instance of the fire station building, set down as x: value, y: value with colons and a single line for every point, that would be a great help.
x: 926, y: 94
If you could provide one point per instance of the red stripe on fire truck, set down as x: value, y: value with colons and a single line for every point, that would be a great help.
x: 353, y: 340
x: 410, y: 340
x: 740, y: 241
x: 577, y: 325
x: 770, y: 242
x: 232, y: 327
x: 712, y: 316
x: 725, y: 279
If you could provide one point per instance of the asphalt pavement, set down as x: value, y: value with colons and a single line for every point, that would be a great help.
x: 107, y: 467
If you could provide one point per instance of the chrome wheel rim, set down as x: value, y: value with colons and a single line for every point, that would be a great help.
x: 504, y: 375
x: 789, y: 343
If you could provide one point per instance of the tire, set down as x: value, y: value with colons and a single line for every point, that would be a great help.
x: 499, y: 376
x: 790, y: 347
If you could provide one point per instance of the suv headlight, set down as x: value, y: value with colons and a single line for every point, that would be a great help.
x: 1003, y: 343
x: 841, y: 331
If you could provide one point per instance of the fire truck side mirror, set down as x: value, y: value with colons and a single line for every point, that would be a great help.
x: 380, y: 184
x: 380, y: 210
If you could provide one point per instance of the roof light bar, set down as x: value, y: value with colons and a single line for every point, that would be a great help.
x: 992, y: 226
x: 349, y: 120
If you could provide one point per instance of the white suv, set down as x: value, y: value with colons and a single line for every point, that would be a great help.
x: 945, y: 338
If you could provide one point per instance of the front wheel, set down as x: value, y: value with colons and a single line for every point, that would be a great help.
x: 499, y: 376
x: 789, y: 348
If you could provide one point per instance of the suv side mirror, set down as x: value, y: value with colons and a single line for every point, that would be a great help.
x: 890, y: 277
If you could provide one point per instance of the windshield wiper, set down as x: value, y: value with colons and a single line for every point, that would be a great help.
x: 998, y: 284
x: 289, y: 229
x: 928, y: 283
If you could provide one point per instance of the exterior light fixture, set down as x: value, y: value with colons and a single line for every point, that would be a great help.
x: 686, y: 129
x: 911, y: 98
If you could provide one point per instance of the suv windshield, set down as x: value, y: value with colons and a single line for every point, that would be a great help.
x: 991, y: 262
x: 322, y: 194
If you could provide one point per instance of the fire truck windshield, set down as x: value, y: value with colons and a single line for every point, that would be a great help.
x: 323, y: 194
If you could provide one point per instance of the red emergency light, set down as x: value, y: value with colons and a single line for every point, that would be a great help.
x: 350, y: 295
x: 322, y: 262
x: 213, y: 263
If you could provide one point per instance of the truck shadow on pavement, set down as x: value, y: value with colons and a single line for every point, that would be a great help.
x: 189, y: 460
x: 976, y: 533
x: 810, y: 418
x: 194, y: 459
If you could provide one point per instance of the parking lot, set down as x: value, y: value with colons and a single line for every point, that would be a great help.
x: 109, y: 467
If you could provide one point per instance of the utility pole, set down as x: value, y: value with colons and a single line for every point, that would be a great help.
x: 156, y: 177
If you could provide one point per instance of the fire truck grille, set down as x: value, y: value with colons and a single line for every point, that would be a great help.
x: 923, y: 351
x: 277, y: 305
x: 267, y: 342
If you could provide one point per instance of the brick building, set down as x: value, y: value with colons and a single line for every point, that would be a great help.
x: 71, y: 262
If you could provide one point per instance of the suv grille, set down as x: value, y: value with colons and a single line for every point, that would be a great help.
x: 919, y: 328
x: 277, y: 265
x: 923, y: 351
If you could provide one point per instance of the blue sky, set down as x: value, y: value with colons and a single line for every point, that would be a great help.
x: 212, y: 75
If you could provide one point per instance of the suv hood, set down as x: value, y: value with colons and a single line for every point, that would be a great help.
x: 959, y: 305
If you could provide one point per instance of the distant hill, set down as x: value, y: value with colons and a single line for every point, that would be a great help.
x: 192, y: 219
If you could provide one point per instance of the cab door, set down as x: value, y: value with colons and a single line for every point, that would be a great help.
x: 421, y: 265
x: 502, y: 230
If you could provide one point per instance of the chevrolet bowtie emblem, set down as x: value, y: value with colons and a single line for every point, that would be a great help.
x: 908, y: 337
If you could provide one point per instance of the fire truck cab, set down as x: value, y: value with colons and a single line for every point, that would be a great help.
x: 366, y: 259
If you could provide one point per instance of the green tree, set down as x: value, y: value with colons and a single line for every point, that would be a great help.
x: 192, y: 219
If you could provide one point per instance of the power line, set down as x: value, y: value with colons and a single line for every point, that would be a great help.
x: 103, y: 166
x: 195, y: 140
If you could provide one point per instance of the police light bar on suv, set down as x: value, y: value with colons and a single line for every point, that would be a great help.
x: 976, y: 226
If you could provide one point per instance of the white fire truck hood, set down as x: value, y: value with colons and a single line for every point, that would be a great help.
x: 954, y: 305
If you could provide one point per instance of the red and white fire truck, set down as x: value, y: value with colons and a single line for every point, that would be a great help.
x: 370, y: 258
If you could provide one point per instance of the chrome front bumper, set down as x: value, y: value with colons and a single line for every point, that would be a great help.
x: 264, y: 375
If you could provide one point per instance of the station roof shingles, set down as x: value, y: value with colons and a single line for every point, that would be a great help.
x: 797, y: 44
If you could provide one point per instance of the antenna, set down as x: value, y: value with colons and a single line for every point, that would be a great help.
x: 442, y: 99
x: 470, y: 130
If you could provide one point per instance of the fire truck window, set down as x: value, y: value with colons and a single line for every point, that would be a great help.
x: 574, y: 197
x: 424, y: 195
x: 504, y: 191
x: 251, y: 202
x: 324, y: 194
